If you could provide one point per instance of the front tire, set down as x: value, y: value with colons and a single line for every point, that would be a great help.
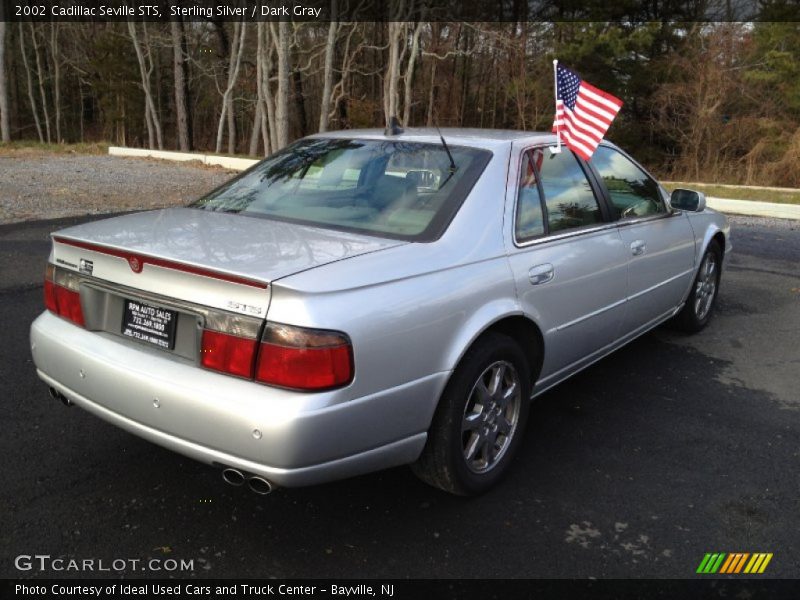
x: 480, y: 420
x: 699, y: 306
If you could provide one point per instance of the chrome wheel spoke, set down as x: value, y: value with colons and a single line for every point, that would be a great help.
x: 483, y: 394
x: 496, y: 380
x: 508, y: 394
x: 473, y: 445
x: 471, y: 422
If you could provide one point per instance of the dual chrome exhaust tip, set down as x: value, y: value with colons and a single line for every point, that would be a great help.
x: 257, y: 484
x: 56, y: 395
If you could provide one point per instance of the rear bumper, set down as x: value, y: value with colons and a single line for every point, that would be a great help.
x: 301, y: 439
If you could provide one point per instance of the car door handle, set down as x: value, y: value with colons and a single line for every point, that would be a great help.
x: 638, y: 247
x: 541, y: 274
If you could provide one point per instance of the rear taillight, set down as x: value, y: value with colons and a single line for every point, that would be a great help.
x: 304, y: 359
x: 229, y: 344
x: 62, y: 294
x: 228, y: 353
x: 291, y: 357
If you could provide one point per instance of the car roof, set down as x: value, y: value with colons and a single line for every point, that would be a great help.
x: 478, y: 138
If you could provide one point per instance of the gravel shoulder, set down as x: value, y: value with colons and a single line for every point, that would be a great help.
x: 47, y: 186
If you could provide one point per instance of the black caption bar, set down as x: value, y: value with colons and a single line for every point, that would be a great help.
x: 397, y: 10
x: 405, y: 589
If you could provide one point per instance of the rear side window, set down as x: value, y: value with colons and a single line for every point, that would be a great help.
x: 529, y: 221
x: 568, y: 196
x: 633, y: 193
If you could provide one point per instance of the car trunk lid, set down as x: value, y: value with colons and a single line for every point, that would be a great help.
x: 218, y: 260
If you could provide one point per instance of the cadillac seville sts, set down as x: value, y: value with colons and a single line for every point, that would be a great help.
x: 367, y: 299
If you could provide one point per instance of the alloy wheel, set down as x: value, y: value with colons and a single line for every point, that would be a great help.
x: 491, y: 416
x: 706, y: 286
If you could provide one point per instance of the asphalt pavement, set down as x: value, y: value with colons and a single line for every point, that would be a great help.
x: 672, y: 447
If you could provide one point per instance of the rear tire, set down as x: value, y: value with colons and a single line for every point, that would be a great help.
x: 699, y: 305
x: 480, y: 420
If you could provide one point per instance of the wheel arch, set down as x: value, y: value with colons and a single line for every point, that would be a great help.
x: 523, y: 330
x: 712, y: 233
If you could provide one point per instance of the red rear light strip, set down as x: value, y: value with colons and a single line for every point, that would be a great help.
x: 305, y: 369
x: 160, y: 262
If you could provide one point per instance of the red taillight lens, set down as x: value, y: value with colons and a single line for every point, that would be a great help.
x: 61, y: 295
x: 228, y: 353
x: 304, y: 359
x: 49, y: 289
x: 69, y: 305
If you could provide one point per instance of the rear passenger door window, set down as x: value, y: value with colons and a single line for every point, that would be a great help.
x: 568, y: 196
x: 633, y: 193
x: 569, y: 201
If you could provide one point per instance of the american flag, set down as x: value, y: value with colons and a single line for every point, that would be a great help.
x: 583, y: 112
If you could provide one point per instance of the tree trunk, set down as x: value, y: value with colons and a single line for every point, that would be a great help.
x: 269, y: 100
x: 231, y: 125
x: 29, y: 79
x: 432, y: 95
x: 407, y: 92
x: 327, y: 77
x: 255, y: 133
x: 181, y: 96
x: 5, y: 128
x: 56, y: 78
x: 151, y: 116
x: 154, y: 112
x: 264, y: 96
x: 392, y: 74
x: 40, y: 78
x: 281, y: 40
x: 239, y: 32
x: 300, y: 100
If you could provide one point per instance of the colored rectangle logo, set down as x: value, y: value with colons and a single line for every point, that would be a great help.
x: 734, y: 563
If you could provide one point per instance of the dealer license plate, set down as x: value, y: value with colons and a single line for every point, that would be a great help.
x: 150, y: 324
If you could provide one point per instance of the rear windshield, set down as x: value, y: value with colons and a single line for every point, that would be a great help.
x: 387, y: 188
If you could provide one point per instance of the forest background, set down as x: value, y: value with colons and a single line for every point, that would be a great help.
x: 715, y: 101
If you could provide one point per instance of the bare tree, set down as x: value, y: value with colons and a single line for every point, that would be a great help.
x: 5, y: 128
x: 268, y: 127
x: 340, y: 93
x: 281, y: 41
x: 409, y: 74
x: 40, y: 78
x: 29, y: 81
x: 145, y: 70
x: 180, y: 75
x: 391, y: 79
x: 239, y: 32
x: 327, y: 77
x: 54, y: 29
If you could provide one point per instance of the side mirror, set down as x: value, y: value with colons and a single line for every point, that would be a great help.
x: 687, y: 200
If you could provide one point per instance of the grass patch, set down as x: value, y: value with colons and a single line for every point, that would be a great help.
x: 29, y: 148
x: 743, y: 193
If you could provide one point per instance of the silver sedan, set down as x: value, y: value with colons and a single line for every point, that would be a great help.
x: 367, y: 299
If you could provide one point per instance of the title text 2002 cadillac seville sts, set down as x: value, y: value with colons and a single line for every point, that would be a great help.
x: 365, y: 299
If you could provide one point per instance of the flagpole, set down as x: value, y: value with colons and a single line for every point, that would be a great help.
x: 557, y: 149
